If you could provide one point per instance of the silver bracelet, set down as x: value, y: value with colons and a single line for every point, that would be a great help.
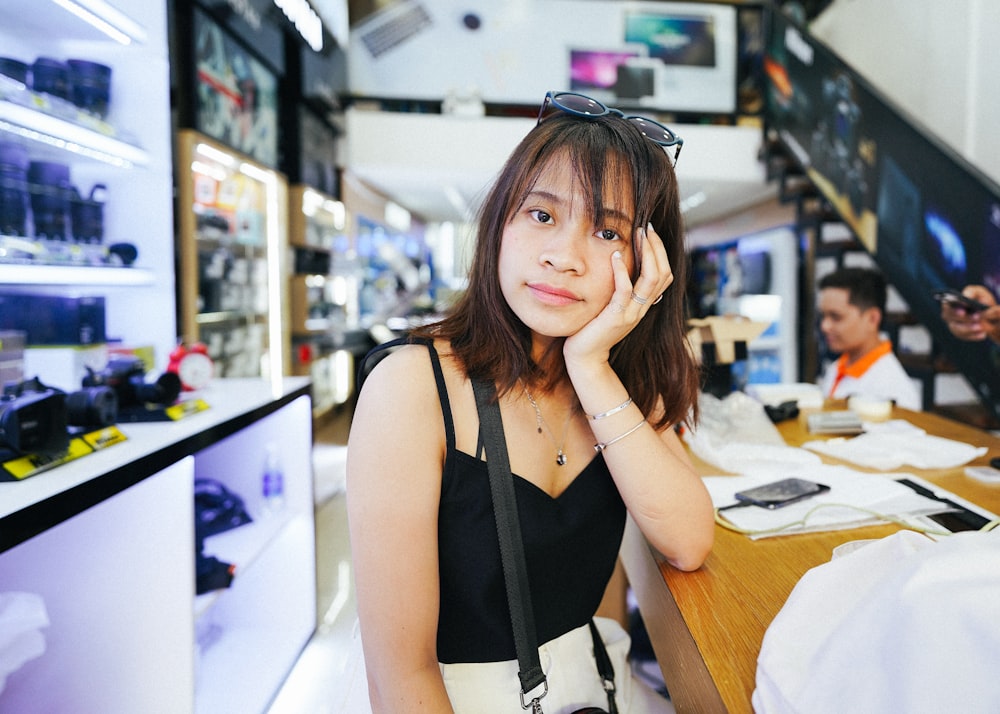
x: 599, y: 447
x: 609, y: 412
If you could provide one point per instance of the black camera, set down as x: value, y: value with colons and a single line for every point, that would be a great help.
x: 127, y: 377
x: 32, y: 420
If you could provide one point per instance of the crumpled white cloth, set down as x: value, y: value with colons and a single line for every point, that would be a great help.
x: 21, y: 617
x: 734, y: 434
x: 898, y: 443
x: 902, y: 624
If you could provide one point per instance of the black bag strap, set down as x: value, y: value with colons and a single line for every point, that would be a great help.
x: 511, y: 547
x: 379, y: 352
x: 604, y: 667
x: 512, y: 557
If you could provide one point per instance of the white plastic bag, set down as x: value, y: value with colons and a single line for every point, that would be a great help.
x: 901, y: 624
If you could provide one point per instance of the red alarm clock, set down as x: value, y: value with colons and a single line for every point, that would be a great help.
x: 192, y: 364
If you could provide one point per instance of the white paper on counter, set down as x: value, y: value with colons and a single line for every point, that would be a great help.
x: 855, y: 498
x: 896, y: 444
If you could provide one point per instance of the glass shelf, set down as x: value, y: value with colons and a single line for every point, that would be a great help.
x: 20, y: 274
x: 57, y: 133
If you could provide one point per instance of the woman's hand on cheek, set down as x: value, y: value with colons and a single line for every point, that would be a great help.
x: 628, y: 303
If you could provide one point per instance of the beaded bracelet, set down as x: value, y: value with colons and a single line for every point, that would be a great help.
x: 599, y: 447
x: 609, y: 412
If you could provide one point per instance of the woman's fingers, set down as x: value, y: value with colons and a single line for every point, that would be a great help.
x: 656, y: 274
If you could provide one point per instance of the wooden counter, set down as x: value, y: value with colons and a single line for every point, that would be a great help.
x: 706, y: 627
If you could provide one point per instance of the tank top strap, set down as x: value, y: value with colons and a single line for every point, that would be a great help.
x: 382, y: 350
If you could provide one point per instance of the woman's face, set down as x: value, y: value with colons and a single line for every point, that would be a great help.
x: 555, y: 264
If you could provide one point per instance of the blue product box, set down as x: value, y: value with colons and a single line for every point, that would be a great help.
x: 54, y: 319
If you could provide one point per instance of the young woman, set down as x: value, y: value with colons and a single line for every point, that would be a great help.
x: 570, y: 312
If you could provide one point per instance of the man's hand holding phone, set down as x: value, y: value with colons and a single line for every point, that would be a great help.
x: 972, y: 314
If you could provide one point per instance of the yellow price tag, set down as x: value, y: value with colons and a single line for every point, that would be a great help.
x: 31, y: 464
x: 103, y: 438
x: 182, y: 409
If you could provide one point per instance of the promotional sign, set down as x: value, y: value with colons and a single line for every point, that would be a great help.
x: 237, y: 96
x: 669, y: 56
x: 931, y: 220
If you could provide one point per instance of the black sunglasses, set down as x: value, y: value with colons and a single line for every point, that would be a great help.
x: 579, y: 105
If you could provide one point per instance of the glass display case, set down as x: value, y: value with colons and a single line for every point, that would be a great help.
x: 232, y: 214
x: 323, y: 294
x: 85, y: 168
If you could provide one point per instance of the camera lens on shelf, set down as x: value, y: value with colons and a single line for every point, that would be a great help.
x: 92, y: 406
x: 90, y: 86
x: 87, y: 214
x: 15, y: 69
x: 50, y: 76
x: 48, y: 184
x: 13, y: 189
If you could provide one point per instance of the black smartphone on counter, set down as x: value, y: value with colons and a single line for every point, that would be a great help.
x: 781, y: 493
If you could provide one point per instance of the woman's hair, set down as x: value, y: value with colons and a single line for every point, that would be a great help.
x: 654, y: 360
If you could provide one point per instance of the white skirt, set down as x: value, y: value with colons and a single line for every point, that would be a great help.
x: 571, y: 673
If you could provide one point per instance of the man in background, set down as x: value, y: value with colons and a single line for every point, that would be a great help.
x: 851, y: 305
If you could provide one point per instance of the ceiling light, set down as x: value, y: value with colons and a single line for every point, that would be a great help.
x: 693, y: 201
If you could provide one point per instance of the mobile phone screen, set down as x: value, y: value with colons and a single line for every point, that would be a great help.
x: 781, y: 493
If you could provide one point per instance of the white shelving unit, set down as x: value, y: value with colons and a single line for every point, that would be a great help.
x: 129, y: 151
x: 107, y: 542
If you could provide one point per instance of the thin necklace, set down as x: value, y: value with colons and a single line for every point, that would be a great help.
x: 540, y: 421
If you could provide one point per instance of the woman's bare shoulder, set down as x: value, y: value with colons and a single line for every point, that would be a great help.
x: 407, y: 372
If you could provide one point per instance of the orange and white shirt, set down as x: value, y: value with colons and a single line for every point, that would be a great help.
x: 877, y: 374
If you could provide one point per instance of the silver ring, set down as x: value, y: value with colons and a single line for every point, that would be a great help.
x: 639, y: 299
x: 658, y: 298
x: 615, y: 307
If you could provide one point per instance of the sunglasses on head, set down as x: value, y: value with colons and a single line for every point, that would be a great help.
x: 579, y: 105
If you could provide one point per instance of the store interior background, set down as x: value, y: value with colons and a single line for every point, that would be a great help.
x: 931, y: 66
x: 411, y: 136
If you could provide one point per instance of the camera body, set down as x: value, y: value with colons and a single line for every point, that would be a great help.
x: 33, y: 421
x: 126, y: 376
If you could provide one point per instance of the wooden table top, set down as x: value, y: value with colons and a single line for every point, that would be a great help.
x: 707, y: 626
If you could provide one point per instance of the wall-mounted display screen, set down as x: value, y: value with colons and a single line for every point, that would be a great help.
x: 667, y: 56
x: 674, y: 39
x: 597, y: 69
x: 237, y: 96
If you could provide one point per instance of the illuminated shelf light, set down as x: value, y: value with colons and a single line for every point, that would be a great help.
x: 213, y: 154
x: 106, y: 19
x: 21, y: 274
x: 67, y: 136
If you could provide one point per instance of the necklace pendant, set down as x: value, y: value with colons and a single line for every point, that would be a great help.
x: 561, y: 458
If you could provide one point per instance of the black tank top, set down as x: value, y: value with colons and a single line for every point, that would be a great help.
x: 571, y: 544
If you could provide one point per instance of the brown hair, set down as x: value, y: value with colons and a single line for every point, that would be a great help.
x: 653, y: 360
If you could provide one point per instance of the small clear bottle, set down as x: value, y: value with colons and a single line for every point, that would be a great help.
x: 273, y: 482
